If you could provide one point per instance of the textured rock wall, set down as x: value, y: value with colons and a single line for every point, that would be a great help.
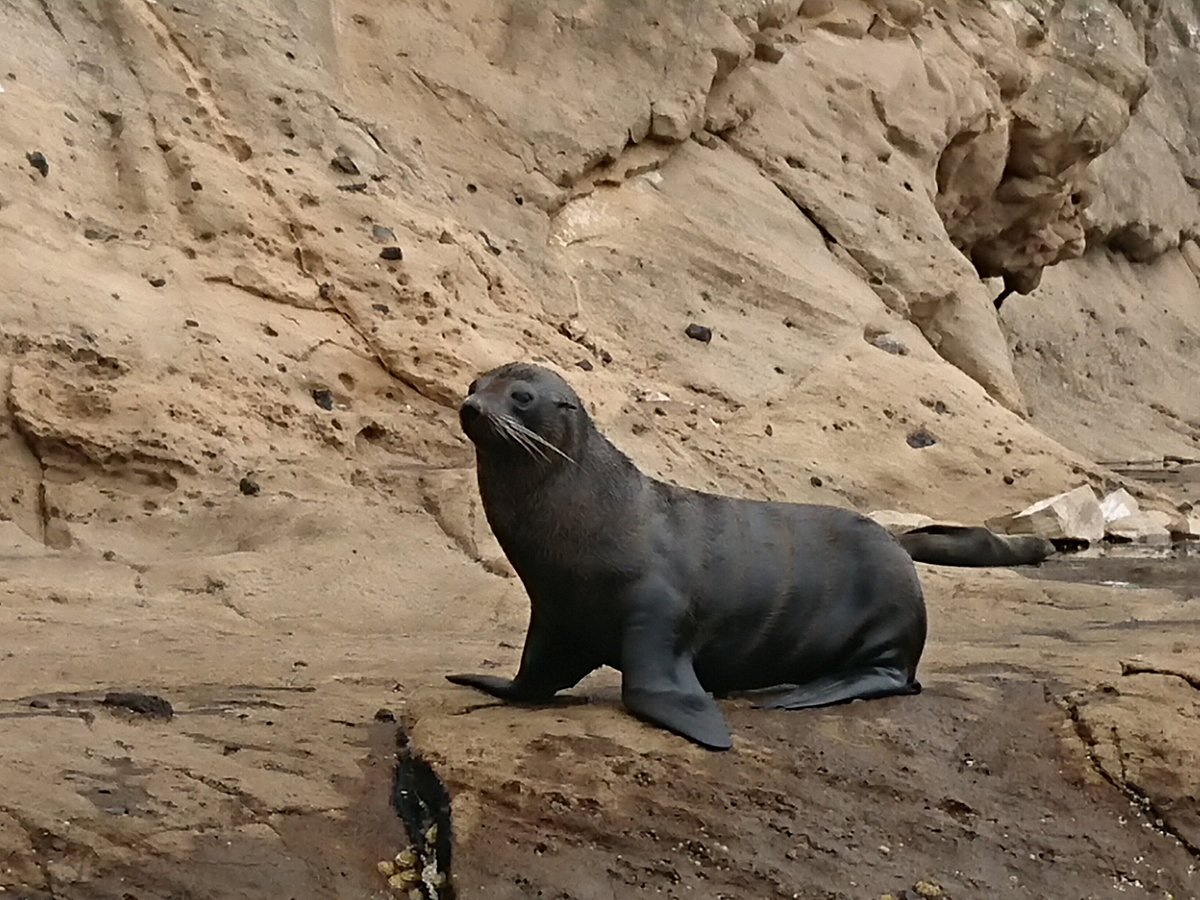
x: 252, y: 205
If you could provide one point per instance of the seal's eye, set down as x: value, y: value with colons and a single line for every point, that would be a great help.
x: 522, y: 398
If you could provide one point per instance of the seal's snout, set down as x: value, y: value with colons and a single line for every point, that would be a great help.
x: 470, y: 413
x: 471, y: 408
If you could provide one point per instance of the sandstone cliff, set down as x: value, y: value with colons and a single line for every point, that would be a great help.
x: 252, y: 253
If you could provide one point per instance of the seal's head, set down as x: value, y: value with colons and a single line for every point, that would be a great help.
x: 520, y: 411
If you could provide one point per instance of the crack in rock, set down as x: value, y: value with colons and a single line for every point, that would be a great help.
x: 1136, y: 668
x: 1137, y: 796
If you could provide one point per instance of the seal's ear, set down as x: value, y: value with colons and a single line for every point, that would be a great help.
x: 471, y: 387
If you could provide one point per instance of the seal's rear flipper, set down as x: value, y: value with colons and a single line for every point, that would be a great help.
x: 694, y: 716
x: 867, y: 684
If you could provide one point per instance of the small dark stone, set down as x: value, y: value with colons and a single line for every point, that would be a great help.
x: 269, y: 331
x: 471, y: 188
x: 355, y: 187
x: 143, y: 704
x: 445, y: 238
x: 490, y: 244
x: 37, y: 159
x: 765, y: 51
x: 109, y: 555
x: 372, y: 431
x: 889, y: 343
x: 381, y: 308
x: 1008, y: 479
x: 586, y: 365
x: 920, y: 438
x: 325, y: 290
x: 769, y: 431
x: 191, y: 323
x: 39, y: 704
x: 323, y: 398
x: 97, y: 232
x: 701, y: 333
x: 344, y: 164
x: 816, y: 481
x: 157, y: 281
x: 249, y: 486
x: 392, y: 254
x: 384, y: 715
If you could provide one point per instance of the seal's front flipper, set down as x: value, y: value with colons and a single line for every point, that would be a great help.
x: 694, y: 716
x: 864, y: 684
x: 549, y: 663
x: 489, y: 684
x: 658, y: 684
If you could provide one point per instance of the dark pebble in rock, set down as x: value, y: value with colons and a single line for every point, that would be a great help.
x: 323, y: 398
x: 1008, y: 479
x: 391, y: 254
x: 355, y: 187
x: 269, y: 331
x: 585, y: 365
x: 381, y: 308
x: 701, y: 333
x: 816, y: 481
x: 39, y: 704
x: 143, y: 704
x: 325, y: 290
x: 191, y: 323
x: 344, y: 164
x: 384, y: 715
x: 38, y: 160
x: 158, y: 281
x: 889, y: 344
x: 249, y: 486
x: 920, y: 438
x: 382, y: 233
x: 764, y: 51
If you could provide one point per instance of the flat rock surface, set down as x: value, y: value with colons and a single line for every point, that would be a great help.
x: 1030, y: 761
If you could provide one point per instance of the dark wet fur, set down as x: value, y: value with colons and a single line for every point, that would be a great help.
x: 961, y: 545
x: 687, y: 593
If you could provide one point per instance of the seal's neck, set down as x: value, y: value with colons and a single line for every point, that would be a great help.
x: 531, y: 502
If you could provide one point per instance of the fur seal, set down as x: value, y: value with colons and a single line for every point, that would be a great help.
x: 688, y: 594
x: 960, y: 545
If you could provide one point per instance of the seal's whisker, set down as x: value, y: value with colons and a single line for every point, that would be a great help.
x: 530, y: 447
x: 537, y: 438
x: 518, y: 434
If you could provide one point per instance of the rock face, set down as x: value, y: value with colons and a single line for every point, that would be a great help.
x: 253, y: 253
x: 1135, y: 289
x: 1150, y: 527
x: 1074, y: 515
x: 897, y: 521
x: 1119, y: 504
